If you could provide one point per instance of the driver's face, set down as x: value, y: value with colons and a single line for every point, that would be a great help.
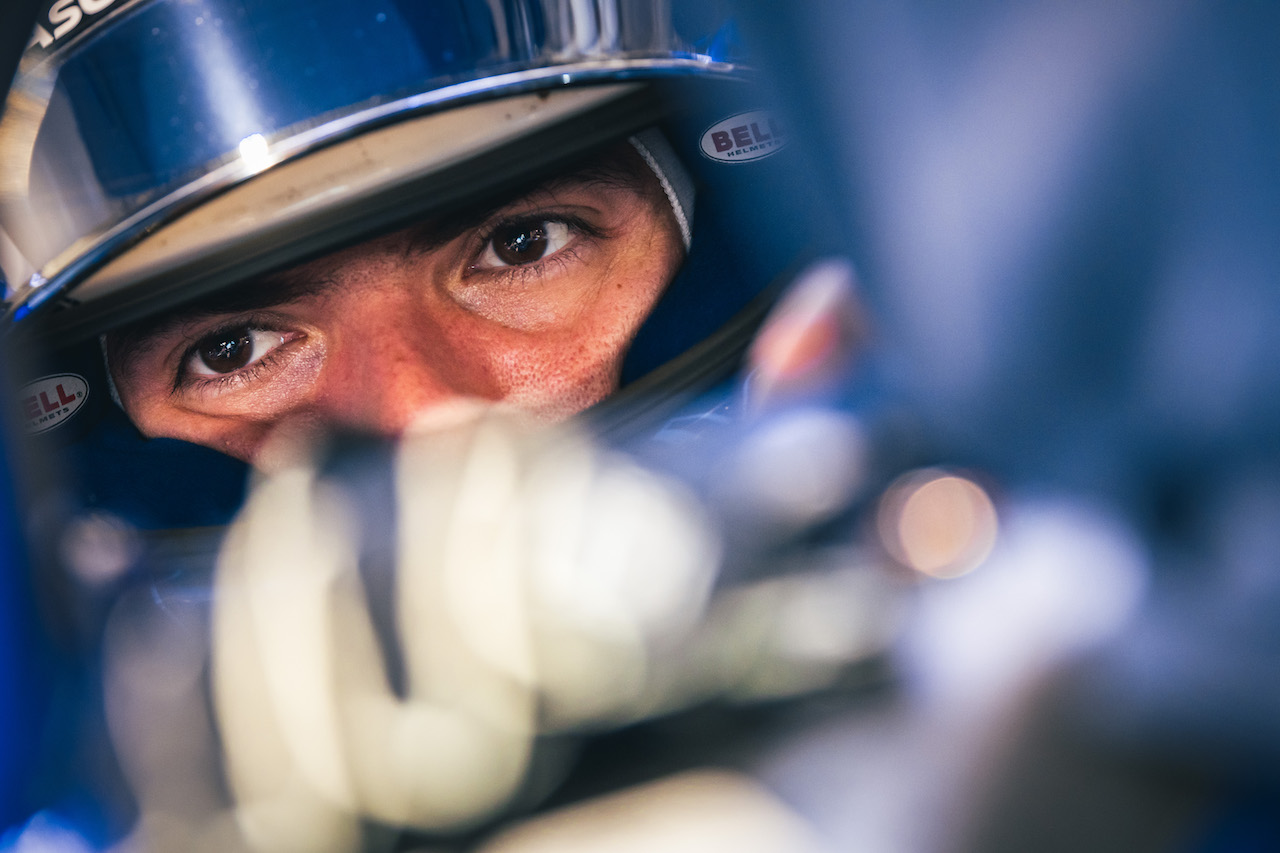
x: 532, y: 304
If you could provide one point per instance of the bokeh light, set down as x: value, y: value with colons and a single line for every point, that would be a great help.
x: 99, y: 547
x: 937, y: 523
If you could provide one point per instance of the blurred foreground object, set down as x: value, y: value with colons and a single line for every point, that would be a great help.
x: 399, y: 633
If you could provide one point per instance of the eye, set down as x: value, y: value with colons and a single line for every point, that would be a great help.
x: 520, y: 243
x: 229, y: 350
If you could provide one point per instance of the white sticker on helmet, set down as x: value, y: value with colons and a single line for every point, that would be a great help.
x: 744, y: 137
x: 50, y: 401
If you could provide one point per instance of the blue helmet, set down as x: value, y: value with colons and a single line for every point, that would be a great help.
x: 158, y: 152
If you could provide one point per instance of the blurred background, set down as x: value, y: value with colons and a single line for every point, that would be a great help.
x: 1064, y: 220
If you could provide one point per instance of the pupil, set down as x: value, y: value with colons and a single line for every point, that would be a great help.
x: 521, y: 244
x: 226, y: 351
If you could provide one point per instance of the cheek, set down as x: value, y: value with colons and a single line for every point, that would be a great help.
x: 555, y: 376
x: 150, y: 407
x: 237, y: 437
x: 556, y: 382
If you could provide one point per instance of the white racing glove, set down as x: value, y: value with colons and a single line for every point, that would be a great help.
x: 542, y: 585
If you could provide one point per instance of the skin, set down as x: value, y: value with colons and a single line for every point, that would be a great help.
x: 532, y: 304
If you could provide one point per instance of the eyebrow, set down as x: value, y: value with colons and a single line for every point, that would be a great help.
x: 129, y: 343
x: 601, y: 170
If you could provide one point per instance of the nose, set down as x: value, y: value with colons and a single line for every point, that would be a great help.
x: 381, y: 376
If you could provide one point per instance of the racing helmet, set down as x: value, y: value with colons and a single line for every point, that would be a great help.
x: 158, y: 151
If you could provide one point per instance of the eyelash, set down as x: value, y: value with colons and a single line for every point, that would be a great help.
x: 186, y: 382
x: 534, y: 269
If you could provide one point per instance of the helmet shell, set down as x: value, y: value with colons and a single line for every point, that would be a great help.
x: 156, y: 149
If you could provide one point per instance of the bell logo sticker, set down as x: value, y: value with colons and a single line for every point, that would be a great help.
x: 51, y: 400
x: 744, y: 137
